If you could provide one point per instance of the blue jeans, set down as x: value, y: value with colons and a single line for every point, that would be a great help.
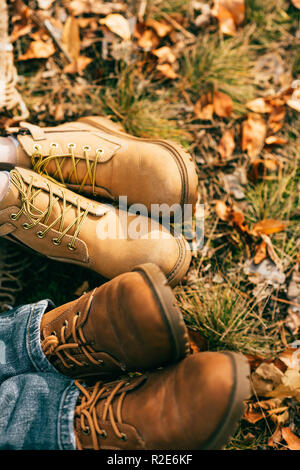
x: 36, y: 401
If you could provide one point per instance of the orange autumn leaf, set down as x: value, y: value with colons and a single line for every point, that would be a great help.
x: 78, y: 65
x: 226, y: 21
x: 268, y: 226
x: 275, y: 140
x: 236, y: 8
x: 148, y: 40
x: 204, y: 108
x: 223, y: 211
x: 117, y: 24
x: 254, y: 131
x: 253, y: 416
x: 71, y: 37
x: 293, y: 441
x: 167, y: 71
x: 164, y: 54
x: 38, y: 50
x: 161, y: 29
x: 267, y: 169
x: 260, y: 252
x: 259, y: 105
x: 227, y: 144
x: 222, y: 104
x: 230, y: 13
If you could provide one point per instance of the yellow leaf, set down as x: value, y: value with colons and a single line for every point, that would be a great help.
x: 118, y: 25
x: 259, y: 105
x: 38, y: 50
x: 71, y: 37
x: 222, y: 104
x: 293, y: 441
x: 254, y: 131
x: 268, y: 226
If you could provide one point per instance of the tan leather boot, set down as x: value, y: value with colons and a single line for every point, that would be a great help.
x: 95, y: 156
x: 131, y: 323
x: 67, y: 227
x: 195, y: 404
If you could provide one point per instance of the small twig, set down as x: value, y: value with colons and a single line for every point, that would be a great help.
x: 178, y: 26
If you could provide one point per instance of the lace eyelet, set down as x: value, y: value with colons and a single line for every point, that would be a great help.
x: 40, y: 234
x: 101, y: 151
x: 101, y: 362
x: 54, y: 145
x: 65, y: 323
x: 13, y: 216
x: 78, y: 314
x: 37, y: 147
x: 71, y: 247
x: 86, y: 431
x: 53, y: 333
x: 86, y: 148
x: 71, y: 145
x: 123, y: 437
x: 26, y: 226
x: 55, y: 241
x: 103, y: 435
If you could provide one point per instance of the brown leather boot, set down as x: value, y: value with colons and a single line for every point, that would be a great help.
x: 67, y: 227
x: 95, y: 156
x: 130, y: 323
x: 195, y: 404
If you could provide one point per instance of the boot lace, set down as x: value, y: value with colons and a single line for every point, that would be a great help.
x: 40, y: 164
x: 35, y: 215
x: 51, y: 345
x: 86, y: 411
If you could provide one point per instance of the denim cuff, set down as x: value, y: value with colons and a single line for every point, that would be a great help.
x: 33, y: 338
x: 65, y: 431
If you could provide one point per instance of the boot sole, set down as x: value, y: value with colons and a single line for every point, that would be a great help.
x: 235, y: 409
x: 171, y: 313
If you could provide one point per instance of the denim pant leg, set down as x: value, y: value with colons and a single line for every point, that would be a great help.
x: 36, y: 401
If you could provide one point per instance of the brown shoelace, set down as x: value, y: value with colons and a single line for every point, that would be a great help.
x: 86, y: 412
x: 52, y: 345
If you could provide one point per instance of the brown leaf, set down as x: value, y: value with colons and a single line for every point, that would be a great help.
x: 78, y: 65
x: 222, y: 104
x: 164, y: 54
x: 293, y: 441
x: 223, y: 211
x: 161, y: 29
x: 260, y: 252
x: 253, y: 416
x: 225, y: 19
x: 259, y: 105
x: 118, y: 25
x: 236, y: 8
x: 148, y: 40
x: 263, y: 169
x: 71, y: 37
x: 19, y: 31
x: 167, y: 71
x: 197, y: 341
x: 227, y: 144
x: 268, y: 226
x: 254, y: 131
x: 204, y: 108
x: 275, y: 140
x: 38, y: 50
x: 275, y: 438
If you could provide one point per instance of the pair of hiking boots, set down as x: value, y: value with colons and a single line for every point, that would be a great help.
x: 94, y: 156
x: 127, y: 347
x: 172, y: 399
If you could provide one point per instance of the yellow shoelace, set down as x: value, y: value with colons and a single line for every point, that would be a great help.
x: 86, y: 411
x: 35, y: 215
x: 40, y: 164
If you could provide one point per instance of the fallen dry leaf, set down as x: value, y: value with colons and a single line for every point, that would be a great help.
x: 260, y: 252
x: 148, y: 40
x: 227, y: 144
x: 265, y: 378
x: 222, y: 104
x: 38, y: 50
x: 204, y: 108
x: 276, y: 140
x: 78, y: 65
x: 117, y: 24
x: 294, y: 101
x: 161, y: 29
x: 225, y: 19
x: 264, y: 169
x: 268, y: 226
x: 293, y: 441
x: 254, y: 131
x: 71, y: 37
x: 259, y: 105
x: 164, y: 54
x: 167, y: 71
x: 223, y: 211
